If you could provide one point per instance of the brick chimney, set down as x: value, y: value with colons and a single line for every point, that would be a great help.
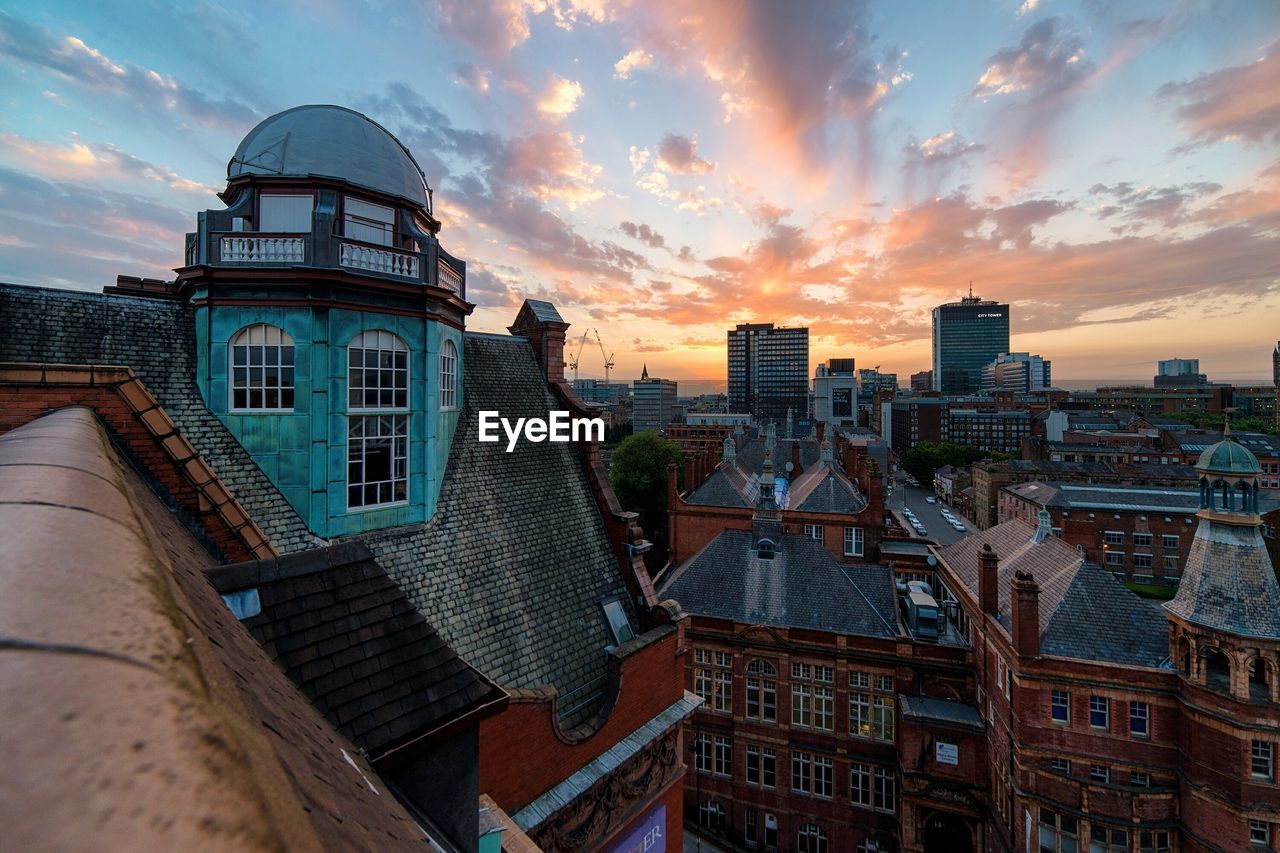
x: 796, y: 469
x: 988, y: 580
x: 541, y: 323
x: 1024, y: 594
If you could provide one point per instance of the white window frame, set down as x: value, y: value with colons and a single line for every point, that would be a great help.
x: 1100, y: 704
x: 1065, y: 705
x: 854, y: 541
x: 275, y: 349
x: 1262, y: 753
x: 448, y: 376
x: 381, y: 231
x: 1140, y: 711
x: 388, y: 412
x: 816, y: 532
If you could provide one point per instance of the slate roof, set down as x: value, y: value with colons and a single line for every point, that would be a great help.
x: 156, y: 338
x: 946, y: 711
x: 350, y: 639
x: 803, y: 586
x: 1107, y: 498
x: 139, y: 714
x: 824, y: 488
x: 719, y: 489
x: 1085, y: 613
x: 513, y: 567
x: 1229, y: 583
x: 544, y: 311
x: 734, y: 483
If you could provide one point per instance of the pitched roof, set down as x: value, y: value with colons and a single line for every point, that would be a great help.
x: 1085, y: 613
x: 803, y: 586
x: 1229, y: 583
x: 129, y: 679
x: 156, y: 338
x: 513, y: 567
x: 825, y: 488
x: 350, y: 639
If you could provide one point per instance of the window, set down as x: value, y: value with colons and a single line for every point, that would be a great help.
x: 860, y: 714
x: 1100, y: 773
x: 1099, y: 712
x: 1142, y: 561
x: 262, y: 369
x: 1153, y: 842
x: 801, y: 772
x: 762, y: 692
x: 369, y: 223
x: 714, y: 685
x: 1169, y: 541
x: 860, y: 679
x: 1115, y: 558
x: 750, y: 828
x: 1139, y: 719
x: 1060, y: 765
x: 711, y: 816
x: 886, y: 790
x: 814, y: 531
x: 1105, y: 840
x: 762, y: 766
x: 1142, y: 540
x: 1260, y: 833
x: 811, y: 839
x: 1058, y: 833
x: 770, y: 832
x: 1170, y: 564
x: 723, y: 756
x: 702, y: 753
x: 765, y: 549
x: 1262, y: 760
x: 378, y: 372
x: 1113, y: 537
x: 1060, y: 706
x: 1140, y: 780
x: 448, y: 376
x: 884, y: 683
x: 853, y: 538
x: 812, y: 705
x: 284, y: 214
x: 377, y: 460
x: 619, y: 625
x: 882, y: 718
x: 860, y: 784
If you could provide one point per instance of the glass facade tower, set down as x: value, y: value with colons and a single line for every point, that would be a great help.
x: 768, y: 371
x: 967, y: 336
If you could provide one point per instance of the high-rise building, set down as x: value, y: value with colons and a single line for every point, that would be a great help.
x: 654, y: 402
x: 871, y: 381
x: 967, y: 336
x: 835, y: 391
x: 768, y: 370
x: 922, y: 381
x: 1019, y: 372
x: 1275, y: 366
x: 1179, y: 373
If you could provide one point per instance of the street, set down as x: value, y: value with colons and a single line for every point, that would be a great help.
x: 930, y: 515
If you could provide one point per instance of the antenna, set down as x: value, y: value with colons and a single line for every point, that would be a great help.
x: 970, y: 288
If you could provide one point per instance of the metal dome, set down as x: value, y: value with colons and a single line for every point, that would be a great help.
x: 324, y: 141
x: 1229, y: 458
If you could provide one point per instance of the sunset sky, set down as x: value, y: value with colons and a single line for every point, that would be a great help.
x: 663, y: 170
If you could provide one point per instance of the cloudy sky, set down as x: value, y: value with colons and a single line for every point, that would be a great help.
x: 664, y: 170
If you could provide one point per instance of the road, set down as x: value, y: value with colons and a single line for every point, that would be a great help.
x: 930, y: 515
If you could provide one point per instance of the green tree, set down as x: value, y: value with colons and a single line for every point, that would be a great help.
x: 923, y: 460
x: 639, y: 478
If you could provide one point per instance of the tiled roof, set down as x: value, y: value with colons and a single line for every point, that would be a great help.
x: 348, y: 637
x: 155, y: 337
x: 139, y: 714
x: 514, y: 566
x: 946, y: 711
x: 544, y: 311
x: 824, y: 488
x: 1085, y: 613
x: 803, y: 586
x: 1229, y: 583
x: 718, y: 490
x: 1108, y: 498
x: 731, y: 484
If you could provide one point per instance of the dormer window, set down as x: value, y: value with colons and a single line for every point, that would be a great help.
x: 619, y: 624
x: 368, y: 222
x: 765, y: 549
x: 285, y: 214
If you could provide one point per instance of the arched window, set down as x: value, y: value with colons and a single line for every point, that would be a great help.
x: 761, y: 667
x: 1217, y: 670
x: 811, y: 839
x: 262, y: 369
x: 1259, y: 680
x: 378, y: 437
x: 765, y: 549
x: 448, y: 376
x: 762, y: 692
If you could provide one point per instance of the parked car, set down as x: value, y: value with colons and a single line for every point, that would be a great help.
x: 931, y: 500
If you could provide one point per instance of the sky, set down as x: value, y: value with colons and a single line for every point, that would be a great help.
x: 662, y: 171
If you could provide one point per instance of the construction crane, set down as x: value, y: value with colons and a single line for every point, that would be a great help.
x: 608, y: 358
x: 577, y: 357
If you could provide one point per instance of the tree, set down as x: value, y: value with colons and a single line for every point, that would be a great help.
x: 639, y: 479
x: 923, y: 460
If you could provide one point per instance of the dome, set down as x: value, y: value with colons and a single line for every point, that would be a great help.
x: 1228, y: 458
x: 325, y: 141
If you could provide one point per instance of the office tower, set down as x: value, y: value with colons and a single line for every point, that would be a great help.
x: 768, y: 371
x: 1019, y: 372
x: 835, y: 389
x: 654, y: 403
x: 1179, y: 373
x: 871, y: 381
x: 922, y: 381
x: 967, y: 336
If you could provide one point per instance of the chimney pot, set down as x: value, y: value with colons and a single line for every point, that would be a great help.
x: 1025, y: 615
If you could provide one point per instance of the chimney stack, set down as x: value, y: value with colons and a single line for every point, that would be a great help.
x: 541, y: 323
x: 1025, y: 596
x: 795, y: 460
x: 988, y: 580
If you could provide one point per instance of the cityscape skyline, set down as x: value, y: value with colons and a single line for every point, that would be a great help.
x: 663, y: 175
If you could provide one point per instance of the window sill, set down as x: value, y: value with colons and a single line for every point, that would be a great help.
x: 260, y: 411
x: 361, y: 509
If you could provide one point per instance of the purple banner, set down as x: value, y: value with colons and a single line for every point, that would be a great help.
x: 649, y: 837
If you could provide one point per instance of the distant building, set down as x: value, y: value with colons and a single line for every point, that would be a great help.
x: 600, y: 391
x: 701, y: 430
x: 1002, y: 429
x: 1179, y: 373
x: 913, y: 420
x: 835, y: 392
x: 1275, y: 366
x: 1019, y: 372
x: 768, y: 370
x: 654, y: 402
x: 922, y: 381
x: 871, y: 382
x: 967, y: 336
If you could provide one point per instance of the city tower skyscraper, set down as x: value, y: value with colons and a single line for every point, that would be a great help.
x: 967, y: 336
